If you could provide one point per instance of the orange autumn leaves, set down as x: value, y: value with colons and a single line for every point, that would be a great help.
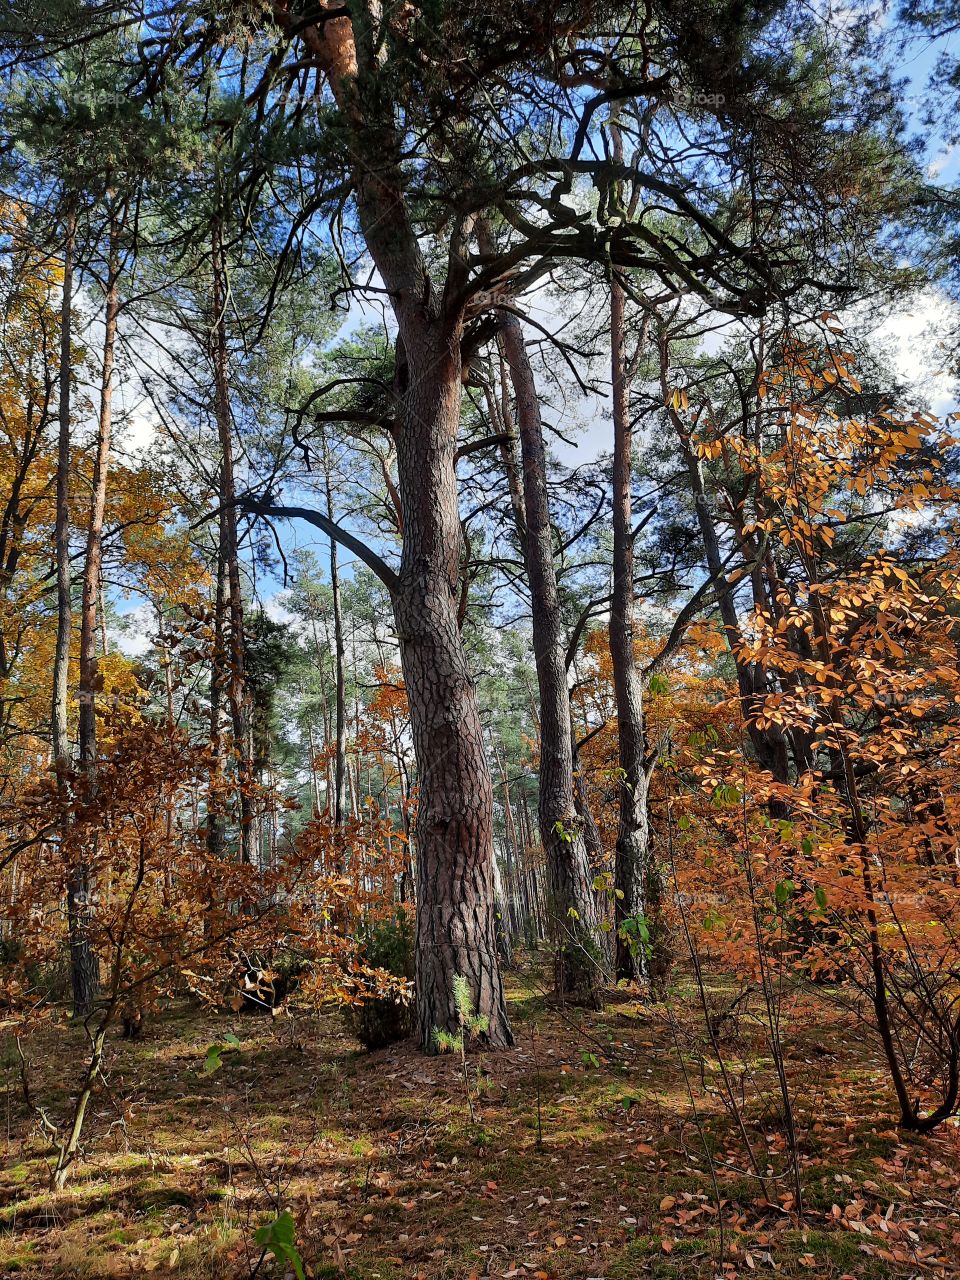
x: 846, y: 864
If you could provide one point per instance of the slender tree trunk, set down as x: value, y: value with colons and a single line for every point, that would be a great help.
x: 216, y: 819
x: 591, y: 832
x: 632, y: 869
x: 571, y: 902
x: 238, y: 695
x: 501, y: 417
x: 104, y: 635
x: 92, y: 580
x: 501, y: 916
x: 403, y: 780
x: 98, y: 498
x: 71, y: 1144
x: 59, y: 730
x: 340, y: 758
x: 531, y: 858
x: 769, y: 745
x: 510, y: 846
x: 315, y: 776
x: 598, y: 864
x: 83, y: 960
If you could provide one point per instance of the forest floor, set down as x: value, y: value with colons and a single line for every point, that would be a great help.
x: 595, y: 1152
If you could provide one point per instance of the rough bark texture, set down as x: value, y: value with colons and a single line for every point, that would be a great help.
x: 456, y: 931
x: 632, y: 870
x: 456, y: 926
x: 571, y: 905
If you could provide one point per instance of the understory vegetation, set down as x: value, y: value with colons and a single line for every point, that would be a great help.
x: 600, y: 1145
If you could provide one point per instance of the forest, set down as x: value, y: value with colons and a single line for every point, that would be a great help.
x: 479, y: 639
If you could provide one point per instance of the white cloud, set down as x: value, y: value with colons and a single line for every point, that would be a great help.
x: 916, y: 338
x: 133, y: 635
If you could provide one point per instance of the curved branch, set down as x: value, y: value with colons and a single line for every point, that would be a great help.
x: 379, y: 566
x: 589, y: 611
x: 486, y: 442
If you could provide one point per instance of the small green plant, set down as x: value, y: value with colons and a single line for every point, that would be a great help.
x: 635, y: 932
x: 658, y: 684
x: 214, y: 1059
x: 471, y: 1027
x: 784, y: 891
x: 278, y: 1238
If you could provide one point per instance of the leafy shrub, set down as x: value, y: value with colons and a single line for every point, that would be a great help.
x: 378, y: 1020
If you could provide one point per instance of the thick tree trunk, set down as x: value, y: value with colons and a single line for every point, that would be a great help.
x: 633, y: 869
x: 571, y: 903
x: 456, y: 931
x: 456, y: 926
